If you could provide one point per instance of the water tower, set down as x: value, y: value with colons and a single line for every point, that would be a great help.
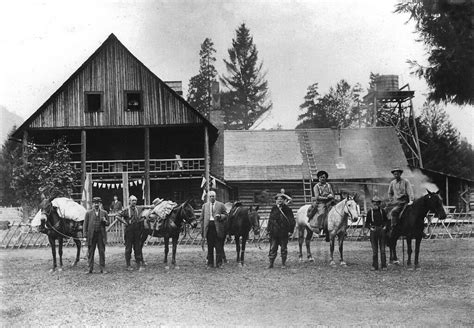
x: 389, y: 105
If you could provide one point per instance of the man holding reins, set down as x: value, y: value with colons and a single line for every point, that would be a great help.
x: 400, y: 194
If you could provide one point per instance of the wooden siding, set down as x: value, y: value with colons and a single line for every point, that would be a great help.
x: 114, y: 70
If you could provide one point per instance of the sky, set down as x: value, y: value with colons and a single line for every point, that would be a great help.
x: 300, y: 43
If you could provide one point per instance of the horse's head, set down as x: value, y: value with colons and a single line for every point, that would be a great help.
x: 47, y: 209
x: 187, y: 213
x: 254, y: 218
x: 351, y: 208
x: 434, y: 202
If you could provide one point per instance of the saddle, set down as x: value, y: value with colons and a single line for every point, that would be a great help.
x: 156, y: 218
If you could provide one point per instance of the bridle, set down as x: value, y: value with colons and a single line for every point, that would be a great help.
x: 343, y: 210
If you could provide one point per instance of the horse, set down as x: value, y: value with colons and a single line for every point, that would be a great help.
x: 239, y: 222
x: 57, y: 228
x: 337, y: 224
x: 171, y: 229
x: 412, y: 224
x: 302, y: 225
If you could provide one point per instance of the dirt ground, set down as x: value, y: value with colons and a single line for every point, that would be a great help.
x: 303, y: 294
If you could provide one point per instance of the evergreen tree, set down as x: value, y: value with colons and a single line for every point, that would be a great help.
x: 445, y: 28
x: 199, y: 94
x: 10, y: 157
x: 246, y: 98
x: 340, y: 107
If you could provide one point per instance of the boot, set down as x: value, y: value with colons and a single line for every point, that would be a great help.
x: 270, y: 266
x: 283, y: 262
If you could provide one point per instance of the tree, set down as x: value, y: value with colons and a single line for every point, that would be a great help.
x: 446, y: 29
x: 199, y: 94
x: 340, y: 107
x: 438, y: 136
x: 47, y: 170
x: 246, y: 98
x: 9, y: 158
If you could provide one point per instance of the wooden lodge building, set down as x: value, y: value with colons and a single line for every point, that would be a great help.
x: 132, y: 133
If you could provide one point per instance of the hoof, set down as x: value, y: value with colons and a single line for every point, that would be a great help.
x: 60, y: 269
x: 410, y: 268
x: 417, y: 267
x: 300, y: 259
x: 343, y: 264
x: 310, y: 259
x: 144, y: 263
x: 332, y: 263
x: 397, y: 262
x: 167, y: 267
x: 74, y: 264
x: 53, y: 270
x: 176, y: 267
x: 241, y: 264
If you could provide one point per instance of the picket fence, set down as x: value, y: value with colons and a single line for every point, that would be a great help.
x: 21, y: 235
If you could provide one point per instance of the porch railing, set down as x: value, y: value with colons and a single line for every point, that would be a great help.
x: 138, y: 166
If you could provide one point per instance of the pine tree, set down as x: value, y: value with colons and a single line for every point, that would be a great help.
x: 246, y: 98
x: 199, y: 94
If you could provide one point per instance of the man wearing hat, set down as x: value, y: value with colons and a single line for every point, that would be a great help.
x: 400, y: 194
x: 377, y: 221
x: 281, y: 223
x: 130, y: 217
x: 323, y: 198
x: 94, y: 229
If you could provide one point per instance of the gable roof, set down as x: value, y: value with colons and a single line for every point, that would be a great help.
x: 172, y: 98
x: 262, y: 155
x: 367, y: 153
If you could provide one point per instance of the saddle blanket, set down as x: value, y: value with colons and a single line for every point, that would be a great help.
x: 69, y: 209
x: 164, y: 208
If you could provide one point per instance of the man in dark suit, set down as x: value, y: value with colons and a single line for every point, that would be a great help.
x: 116, y: 205
x: 213, y: 217
x: 94, y: 230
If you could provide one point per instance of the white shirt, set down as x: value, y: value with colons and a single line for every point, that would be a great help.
x: 211, y: 207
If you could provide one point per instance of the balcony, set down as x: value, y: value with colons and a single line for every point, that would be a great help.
x: 184, y: 165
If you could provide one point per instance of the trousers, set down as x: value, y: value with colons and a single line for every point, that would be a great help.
x: 214, y: 242
x: 133, y: 235
x: 96, y: 242
x: 274, y: 243
x: 378, y: 242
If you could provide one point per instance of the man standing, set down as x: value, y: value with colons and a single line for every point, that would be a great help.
x: 94, y: 230
x: 281, y: 223
x: 213, y: 217
x: 130, y: 217
x: 400, y: 194
x: 116, y: 205
x: 377, y: 222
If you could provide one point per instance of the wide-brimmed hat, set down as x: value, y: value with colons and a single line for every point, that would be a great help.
x: 398, y: 168
x: 97, y: 200
x: 376, y: 199
x: 285, y: 196
x: 157, y: 201
x: 321, y: 173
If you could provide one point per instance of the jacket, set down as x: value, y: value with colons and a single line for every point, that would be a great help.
x: 280, y: 224
x: 88, y: 227
x: 219, y: 208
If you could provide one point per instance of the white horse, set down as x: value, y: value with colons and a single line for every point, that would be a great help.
x: 302, y: 225
x: 337, y: 224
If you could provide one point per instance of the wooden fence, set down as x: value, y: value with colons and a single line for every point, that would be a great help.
x: 20, y: 235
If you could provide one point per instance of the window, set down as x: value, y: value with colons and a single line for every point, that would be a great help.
x: 133, y: 101
x: 94, y: 102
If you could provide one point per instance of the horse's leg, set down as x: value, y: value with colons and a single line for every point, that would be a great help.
x: 60, y: 252
x: 52, y: 243
x: 242, y: 254
x: 409, y: 251
x: 340, y: 240
x: 417, y: 251
x: 309, y: 236
x: 78, y: 253
x: 237, y: 247
x: 331, y: 250
x: 167, y: 249
x: 175, y: 246
x: 143, y: 238
x: 393, y: 251
x: 300, y: 242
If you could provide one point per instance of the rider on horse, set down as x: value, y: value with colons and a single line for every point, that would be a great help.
x: 400, y: 195
x: 323, y: 199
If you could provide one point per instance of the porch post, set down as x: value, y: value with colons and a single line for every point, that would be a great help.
x: 147, y: 166
x: 447, y: 191
x: 206, y: 161
x: 83, y: 167
x: 125, y: 188
x: 24, y: 152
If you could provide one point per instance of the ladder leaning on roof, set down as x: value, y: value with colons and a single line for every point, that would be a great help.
x: 312, y: 169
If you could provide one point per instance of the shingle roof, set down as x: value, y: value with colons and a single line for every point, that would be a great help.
x: 262, y: 155
x: 367, y: 153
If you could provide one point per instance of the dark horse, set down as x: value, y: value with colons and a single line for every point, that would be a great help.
x: 241, y: 219
x: 412, y: 224
x: 57, y: 228
x: 171, y: 228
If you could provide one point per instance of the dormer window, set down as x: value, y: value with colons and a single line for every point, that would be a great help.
x: 94, y: 102
x: 133, y: 101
